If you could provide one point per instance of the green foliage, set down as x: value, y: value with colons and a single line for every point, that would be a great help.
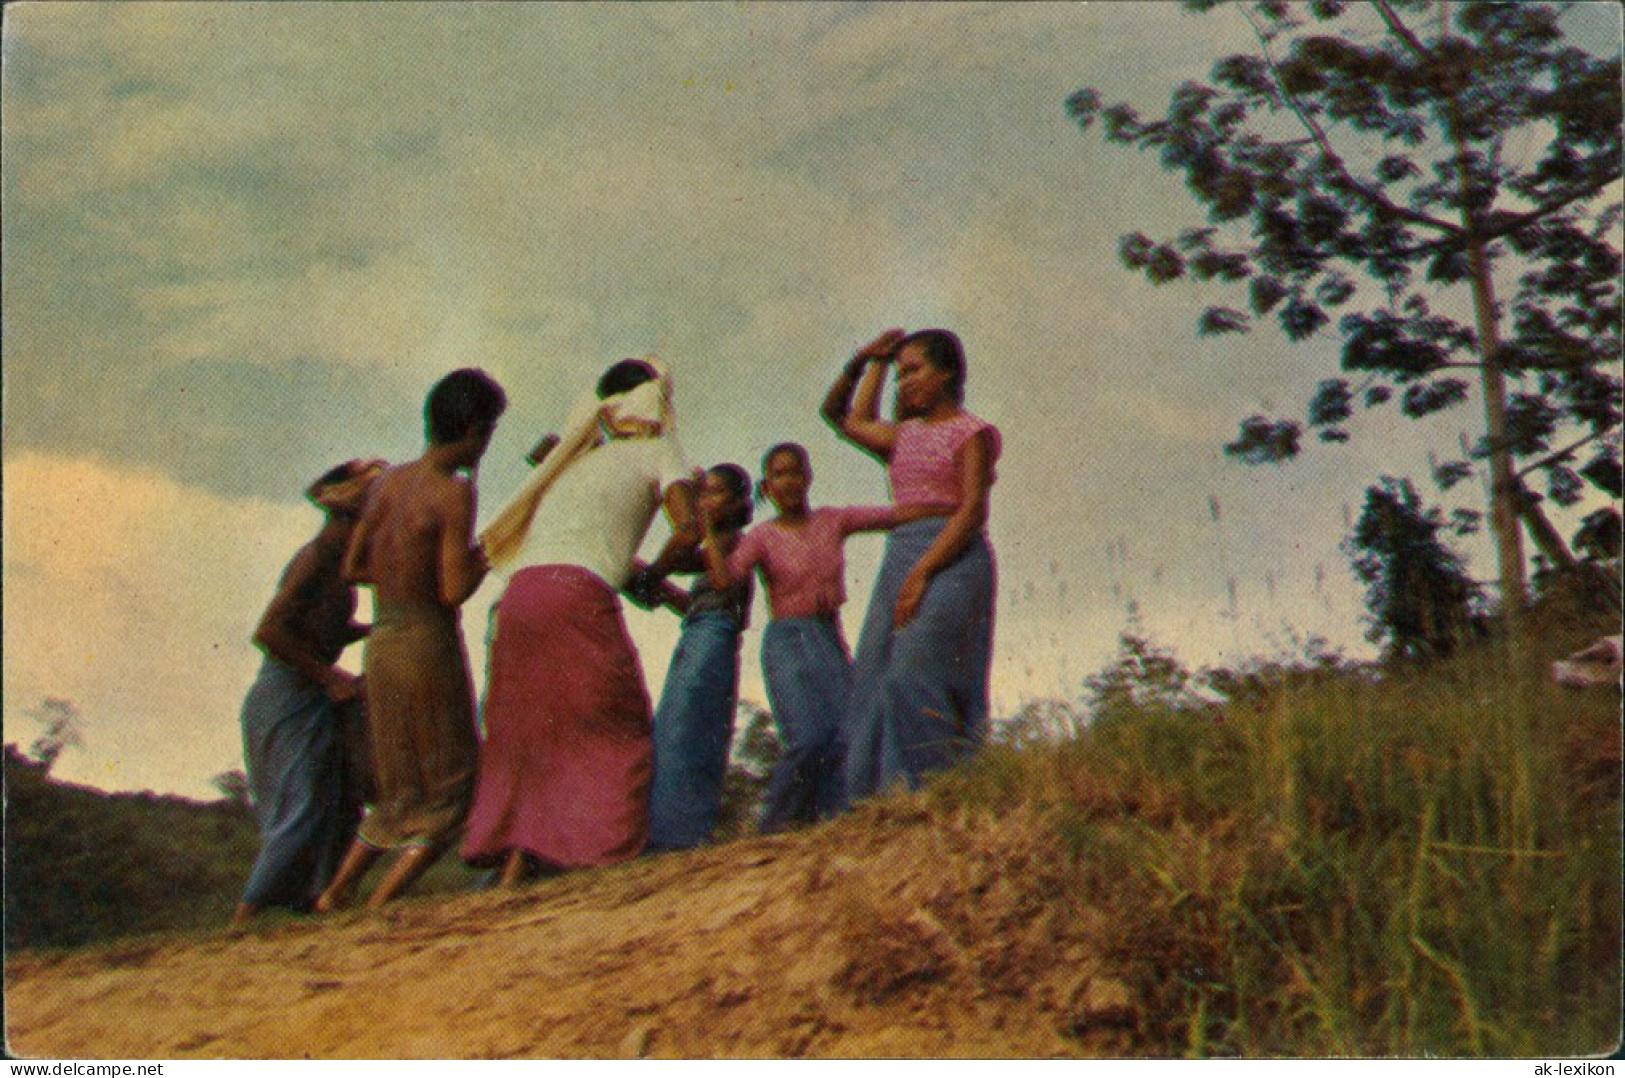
x: 744, y: 785
x: 233, y: 786
x: 61, y: 721
x: 1359, y: 163
x: 1039, y: 722
x: 1296, y: 857
x: 83, y: 866
x: 1337, y: 859
x: 1422, y: 603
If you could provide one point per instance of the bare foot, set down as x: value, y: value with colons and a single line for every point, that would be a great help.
x: 330, y: 901
x: 241, y: 918
x: 341, y: 891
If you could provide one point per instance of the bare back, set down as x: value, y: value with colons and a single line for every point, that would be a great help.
x: 315, y: 601
x: 399, y: 541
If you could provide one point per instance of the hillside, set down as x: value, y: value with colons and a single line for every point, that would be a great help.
x: 1330, y: 861
x: 84, y: 865
x: 883, y: 934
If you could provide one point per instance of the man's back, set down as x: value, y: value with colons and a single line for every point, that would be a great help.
x: 401, y: 533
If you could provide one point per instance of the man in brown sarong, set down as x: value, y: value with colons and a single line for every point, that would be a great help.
x: 415, y: 546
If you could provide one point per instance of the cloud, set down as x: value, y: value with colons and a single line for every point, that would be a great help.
x: 135, y: 597
x: 242, y: 240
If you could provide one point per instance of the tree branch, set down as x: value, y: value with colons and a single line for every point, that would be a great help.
x: 1540, y: 528
x: 1565, y: 452
x: 1403, y: 32
x: 1511, y: 224
x: 1371, y: 195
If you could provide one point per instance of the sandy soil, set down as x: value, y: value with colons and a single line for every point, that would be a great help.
x: 881, y: 934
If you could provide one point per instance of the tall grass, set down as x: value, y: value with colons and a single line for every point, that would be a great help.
x: 1345, y: 862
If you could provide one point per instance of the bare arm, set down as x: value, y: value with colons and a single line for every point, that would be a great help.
x: 906, y: 514
x: 542, y: 448
x: 838, y: 401
x: 462, y: 562
x: 280, y: 633
x: 858, y: 420
x: 661, y: 592
x: 966, y: 521
x: 685, y: 529
x: 715, y: 552
x: 672, y: 596
x: 354, y: 569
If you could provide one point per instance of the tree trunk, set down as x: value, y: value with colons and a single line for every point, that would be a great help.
x: 1503, y: 481
x: 1541, y: 531
x: 1503, y: 477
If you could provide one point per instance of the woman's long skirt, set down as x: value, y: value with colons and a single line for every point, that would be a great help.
x: 920, y: 693
x: 291, y: 750
x: 565, y: 766
x: 420, y: 709
x: 809, y: 677
x: 692, y: 729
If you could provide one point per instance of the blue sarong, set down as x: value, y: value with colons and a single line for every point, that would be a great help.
x: 920, y: 694
x: 692, y: 728
x: 809, y: 676
x: 291, y: 749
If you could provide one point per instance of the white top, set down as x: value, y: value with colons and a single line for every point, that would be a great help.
x: 599, y: 509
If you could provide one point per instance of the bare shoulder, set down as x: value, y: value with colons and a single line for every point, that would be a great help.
x: 301, y: 569
x: 452, y: 491
x: 443, y: 500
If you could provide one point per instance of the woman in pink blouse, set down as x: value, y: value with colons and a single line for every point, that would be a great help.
x: 920, y: 683
x: 804, y: 655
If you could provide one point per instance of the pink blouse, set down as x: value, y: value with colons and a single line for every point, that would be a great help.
x: 923, y: 466
x: 803, y: 567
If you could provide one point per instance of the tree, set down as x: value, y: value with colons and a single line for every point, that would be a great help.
x: 234, y: 788
x: 1141, y: 676
x: 61, y: 721
x: 1379, y: 163
x: 744, y: 784
x: 1042, y: 721
x: 1422, y: 602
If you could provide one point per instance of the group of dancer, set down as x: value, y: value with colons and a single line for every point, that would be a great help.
x: 565, y: 765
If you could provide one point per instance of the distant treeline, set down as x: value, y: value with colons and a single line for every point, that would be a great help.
x: 83, y: 865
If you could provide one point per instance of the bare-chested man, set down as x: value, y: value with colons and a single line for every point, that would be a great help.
x: 415, y: 546
x: 294, y: 714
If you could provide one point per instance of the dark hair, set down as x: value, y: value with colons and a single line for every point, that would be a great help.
x: 798, y: 450
x: 625, y: 375
x: 737, y: 480
x: 464, y: 400
x: 336, y: 474
x: 943, y: 351
x: 795, y: 449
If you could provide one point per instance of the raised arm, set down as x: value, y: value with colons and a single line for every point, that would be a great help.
x: 858, y: 420
x: 967, y: 519
x: 462, y: 562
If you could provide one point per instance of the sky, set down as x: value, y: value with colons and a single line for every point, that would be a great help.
x: 241, y: 241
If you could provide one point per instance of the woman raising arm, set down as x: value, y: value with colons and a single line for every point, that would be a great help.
x: 920, y: 692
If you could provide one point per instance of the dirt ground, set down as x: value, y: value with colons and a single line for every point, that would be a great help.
x: 883, y: 934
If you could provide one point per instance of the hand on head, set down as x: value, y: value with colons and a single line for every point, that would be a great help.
x: 883, y: 347
x: 344, y: 488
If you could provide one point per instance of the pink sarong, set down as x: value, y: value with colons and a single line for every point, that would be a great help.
x: 565, y: 766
